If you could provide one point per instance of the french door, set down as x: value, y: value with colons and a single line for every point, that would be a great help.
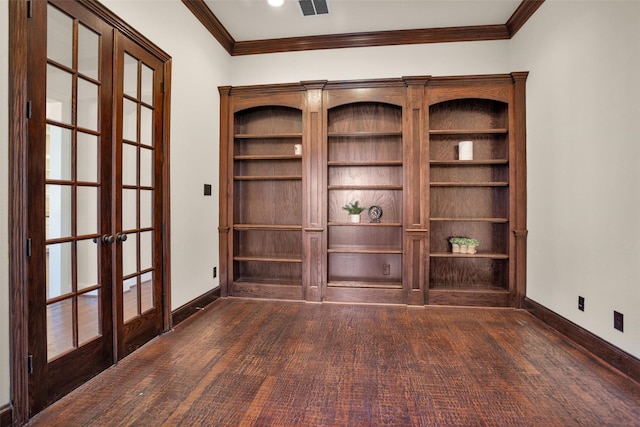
x: 95, y: 198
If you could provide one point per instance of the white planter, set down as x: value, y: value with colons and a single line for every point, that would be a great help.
x: 455, y: 248
x: 354, y: 218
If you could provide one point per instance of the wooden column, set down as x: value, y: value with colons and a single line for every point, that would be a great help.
x: 415, y: 167
x: 314, y: 257
x: 226, y: 192
x: 520, y: 228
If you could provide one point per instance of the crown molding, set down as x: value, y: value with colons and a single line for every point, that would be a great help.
x: 365, y: 39
x: 522, y: 15
x: 211, y: 23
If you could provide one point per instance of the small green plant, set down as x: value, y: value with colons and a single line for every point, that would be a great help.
x: 471, y: 242
x: 353, y: 208
x: 463, y: 241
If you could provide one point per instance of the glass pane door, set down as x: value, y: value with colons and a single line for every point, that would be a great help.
x: 138, y: 190
x: 72, y: 184
x: 139, y: 116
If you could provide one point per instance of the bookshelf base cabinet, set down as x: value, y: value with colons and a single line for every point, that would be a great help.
x: 437, y: 163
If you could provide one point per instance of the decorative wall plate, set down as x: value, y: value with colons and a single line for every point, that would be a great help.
x: 375, y: 213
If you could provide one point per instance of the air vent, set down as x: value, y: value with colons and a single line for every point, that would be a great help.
x: 313, y: 7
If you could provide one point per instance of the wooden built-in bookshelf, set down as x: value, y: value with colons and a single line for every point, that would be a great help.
x: 392, y: 143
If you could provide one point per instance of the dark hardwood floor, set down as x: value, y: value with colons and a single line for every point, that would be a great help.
x: 268, y: 363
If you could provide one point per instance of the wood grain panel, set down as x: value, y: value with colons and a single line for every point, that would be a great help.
x: 274, y: 273
x: 268, y: 120
x: 364, y: 268
x: 469, y: 114
x: 269, y: 167
x: 268, y: 202
x: 267, y: 243
x: 365, y: 175
x: 366, y: 148
x: 263, y: 290
x: 18, y: 203
x: 469, y: 202
x: 365, y: 117
x: 365, y: 237
x: 454, y: 297
x: 364, y: 295
x: 466, y: 272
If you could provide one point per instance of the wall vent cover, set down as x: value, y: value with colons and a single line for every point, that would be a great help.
x: 313, y: 7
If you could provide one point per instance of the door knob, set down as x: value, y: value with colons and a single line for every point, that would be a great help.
x: 107, y: 238
x: 121, y: 237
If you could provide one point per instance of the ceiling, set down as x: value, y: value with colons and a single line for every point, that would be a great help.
x: 252, y: 26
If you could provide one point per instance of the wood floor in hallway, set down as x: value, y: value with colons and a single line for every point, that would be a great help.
x: 273, y: 363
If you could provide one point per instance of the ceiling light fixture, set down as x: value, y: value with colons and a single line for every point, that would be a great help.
x: 275, y: 3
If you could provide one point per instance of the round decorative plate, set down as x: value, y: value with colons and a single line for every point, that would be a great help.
x: 375, y: 213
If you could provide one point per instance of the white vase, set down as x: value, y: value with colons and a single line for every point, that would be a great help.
x: 464, y: 249
x: 455, y: 248
x: 471, y: 249
x: 354, y: 218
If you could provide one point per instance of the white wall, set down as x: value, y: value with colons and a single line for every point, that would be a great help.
x: 372, y: 62
x: 199, y: 66
x: 5, y: 378
x: 583, y: 142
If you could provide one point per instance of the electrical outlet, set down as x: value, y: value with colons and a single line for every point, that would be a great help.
x: 618, y: 321
x: 386, y: 269
x: 215, y: 272
x: 581, y: 303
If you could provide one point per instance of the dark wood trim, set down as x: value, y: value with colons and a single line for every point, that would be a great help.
x: 181, y: 314
x: 166, y: 197
x: 520, y: 205
x: 125, y: 29
x: 211, y: 23
x: 375, y: 38
x: 18, y: 208
x: 6, y: 416
x: 609, y: 353
x: 522, y: 15
x: 224, y: 220
x: 365, y: 39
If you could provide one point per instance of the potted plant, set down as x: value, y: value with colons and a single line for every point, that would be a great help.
x: 471, y: 245
x: 354, y: 210
x: 456, y: 243
x: 463, y: 245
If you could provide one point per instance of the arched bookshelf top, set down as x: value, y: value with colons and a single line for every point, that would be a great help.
x: 268, y: 120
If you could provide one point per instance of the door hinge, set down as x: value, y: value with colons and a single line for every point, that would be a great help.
x: 29, y: 9
x: 30, y: 364
x: 28, y: 246
x: 29, y: 109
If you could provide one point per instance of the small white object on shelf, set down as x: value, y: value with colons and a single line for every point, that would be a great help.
x: 465, y: 150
